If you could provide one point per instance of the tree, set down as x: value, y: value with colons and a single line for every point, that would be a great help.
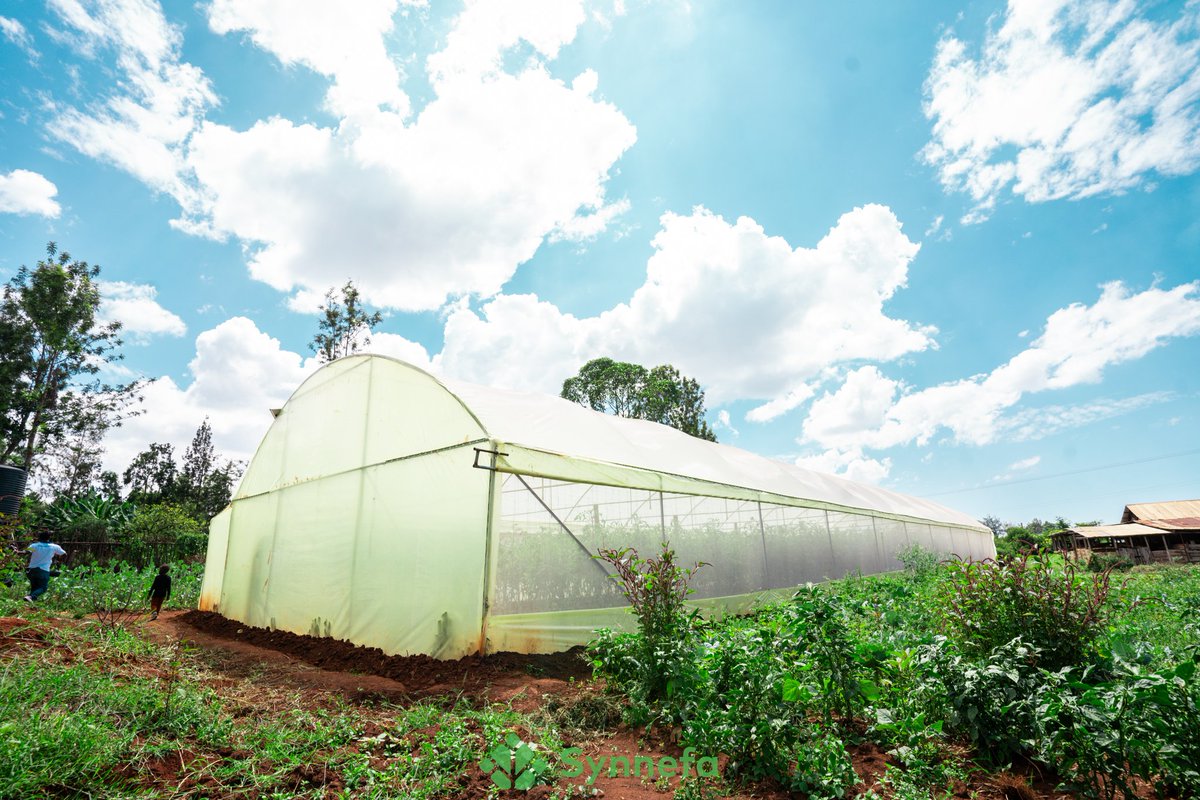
x: 202, y: 485
x: 345, y: 328
x: 151, y: 476
x: 52, y: 347
x: 205, y: 484
x: 660, y: 394
x: 994, y: 525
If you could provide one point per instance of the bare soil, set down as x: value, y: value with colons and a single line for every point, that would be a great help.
x: 258, y: 669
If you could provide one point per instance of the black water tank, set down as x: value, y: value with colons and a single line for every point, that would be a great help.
x: 12, y: 489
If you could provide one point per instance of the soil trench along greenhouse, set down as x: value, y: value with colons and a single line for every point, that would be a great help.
x: 396, y: 510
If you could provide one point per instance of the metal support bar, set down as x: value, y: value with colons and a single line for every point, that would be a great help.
x: 493, y: 453
x: 550, y: 511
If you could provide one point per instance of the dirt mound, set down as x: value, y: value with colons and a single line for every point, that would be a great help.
x: 420, y: 674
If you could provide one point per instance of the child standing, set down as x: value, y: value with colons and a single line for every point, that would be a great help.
x: 159, y: 590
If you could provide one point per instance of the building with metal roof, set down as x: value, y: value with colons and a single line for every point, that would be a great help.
x: 1166, y: 532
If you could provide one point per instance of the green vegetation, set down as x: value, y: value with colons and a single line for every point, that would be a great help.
x: 1094, y: 680
x: 1100, y: 690
x: 660, y: 394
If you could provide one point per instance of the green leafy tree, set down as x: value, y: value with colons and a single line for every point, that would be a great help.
x: 345, y: 327
x: 52, y: 348
x: 164, y: 532
x: 661, y: 394
x: 152, y: 474
x: 205, y: 482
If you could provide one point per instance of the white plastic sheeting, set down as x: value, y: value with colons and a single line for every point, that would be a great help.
x: 391, y: 509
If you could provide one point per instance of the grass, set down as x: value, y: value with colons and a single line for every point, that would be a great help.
x: 86, y: 709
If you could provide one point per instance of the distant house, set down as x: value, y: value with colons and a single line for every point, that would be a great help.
x: 1149, y: 533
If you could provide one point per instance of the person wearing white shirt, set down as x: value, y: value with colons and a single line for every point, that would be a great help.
x: 41, y: 557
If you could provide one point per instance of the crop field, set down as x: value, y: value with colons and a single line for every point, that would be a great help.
x: 1016, y: 680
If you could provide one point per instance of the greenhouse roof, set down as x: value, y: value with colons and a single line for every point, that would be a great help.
x: 550, y: 424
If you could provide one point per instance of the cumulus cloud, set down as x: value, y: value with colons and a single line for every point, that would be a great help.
x: 25, y: 192
x: 1078, y: 343
x: 849, y: 463
x: 136, y: 307
x: 799, y: 308
x: 238, y: 374
x: 418, y: 207
x: 343, y: 41
x: 1066, y: 99
x: 152, y: 111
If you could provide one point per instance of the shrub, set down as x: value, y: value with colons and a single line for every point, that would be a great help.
x: 1143, y: 724
x: 992, y: 701
x: 652, y: 662
x: 1044, y: 601
x: 1106, y: 562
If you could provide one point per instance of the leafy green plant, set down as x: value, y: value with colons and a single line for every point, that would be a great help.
x: 1108, y: 562
x: 918, y: 562
x: 89, y: 511
x: 992, y: 701
x: 833, y: 667
x: 1044, y: 601
x: 823, y: 769
x: 656, y: 588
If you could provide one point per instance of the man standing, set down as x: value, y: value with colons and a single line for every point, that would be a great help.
x: 41, y: 556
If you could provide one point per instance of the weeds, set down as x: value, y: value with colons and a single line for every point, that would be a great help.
x: 1044, y: 601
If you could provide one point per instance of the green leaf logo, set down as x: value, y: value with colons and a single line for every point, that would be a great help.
x: 513, y: 764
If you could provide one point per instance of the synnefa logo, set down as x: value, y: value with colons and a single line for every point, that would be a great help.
x: 514, y: 764
x: 638, y: 766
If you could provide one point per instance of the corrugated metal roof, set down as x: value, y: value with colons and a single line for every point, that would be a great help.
x: 1108, y: 531
x: 1171, y: 509
x: 1178, y: 524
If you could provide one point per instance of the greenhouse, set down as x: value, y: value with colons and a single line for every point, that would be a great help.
x: 423, y: 516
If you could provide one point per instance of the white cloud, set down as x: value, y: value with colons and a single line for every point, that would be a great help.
x: 837, y: 419
x: 343, y: 41
x: 780, y: 405
x: 795, y: 311
x: 1025, y: 463
x: 1079, y: 342
x: 487, y: 29
x: 725, y: 423
x: 1066, y: 99
x: 1032, y: 424
x: 144, y: 124
x: 16, y: 33
x: 238, y: 374
x: 135, y: 307
x: 849, y: 463
x: 417, y: 209
x: 25, y: 192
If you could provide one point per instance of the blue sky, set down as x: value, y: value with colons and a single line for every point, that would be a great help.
x: 953, y: 251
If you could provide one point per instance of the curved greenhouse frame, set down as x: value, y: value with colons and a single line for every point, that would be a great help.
x: 392, y: 509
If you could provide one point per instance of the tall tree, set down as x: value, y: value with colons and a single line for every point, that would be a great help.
x: 205, y: 484
x: 661, y: 394
x: 199, y: 458
x: 345, y: 327
x: 152, y: 475
x: 52, y: 347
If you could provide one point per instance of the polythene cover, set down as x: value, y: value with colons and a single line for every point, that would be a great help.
x: 394, y: 510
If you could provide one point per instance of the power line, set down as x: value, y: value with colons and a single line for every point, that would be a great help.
x: 1066, y: 474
